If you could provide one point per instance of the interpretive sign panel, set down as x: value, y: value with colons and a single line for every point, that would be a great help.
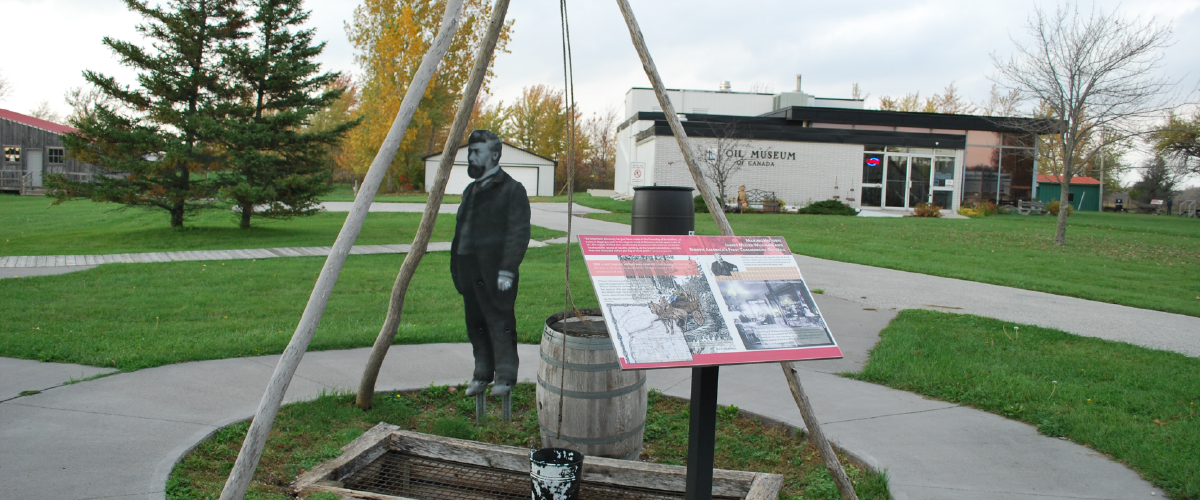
x: 673, y: 301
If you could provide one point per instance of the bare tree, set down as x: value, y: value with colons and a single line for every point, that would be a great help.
x: 84, y: 100
x: 601, y: 130
x: 5, y: 88
x: 721, y: 155
x: 857, y: 92
x: 45, y: 112
x: 761, y: 87
x: 1000, y: 103
x: 1091, y: 72
x: 949, y: 101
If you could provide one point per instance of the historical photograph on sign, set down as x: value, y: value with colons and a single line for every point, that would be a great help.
x: 774, y: 314
x: 666, y: 310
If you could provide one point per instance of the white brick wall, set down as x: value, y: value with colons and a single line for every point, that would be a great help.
x: 811, y: 177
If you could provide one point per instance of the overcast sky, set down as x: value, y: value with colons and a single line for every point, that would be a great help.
x: 888, y: 47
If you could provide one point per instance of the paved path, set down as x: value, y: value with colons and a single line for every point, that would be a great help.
x: 43, y: 261
x: 549, y: 215
x: 118, y: 437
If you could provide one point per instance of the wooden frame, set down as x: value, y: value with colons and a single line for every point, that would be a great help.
x: 384, y: 437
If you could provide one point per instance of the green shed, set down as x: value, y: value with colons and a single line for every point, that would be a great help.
x: 1085, y: 191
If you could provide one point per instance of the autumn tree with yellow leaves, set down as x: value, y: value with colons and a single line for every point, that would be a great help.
x: 390, y: 37
x: 537, y: 122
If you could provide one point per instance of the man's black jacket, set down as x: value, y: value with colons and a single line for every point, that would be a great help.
x: 498, y: 216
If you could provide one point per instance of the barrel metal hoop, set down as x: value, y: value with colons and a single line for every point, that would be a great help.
x: 605, y: 440
x: 599, y: 344
x: 592, y: 395
x: 580, y: 367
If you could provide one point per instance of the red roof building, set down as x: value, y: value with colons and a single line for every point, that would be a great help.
x: 35, y: 122
x: 33, y: 147
x: 1078, y: 180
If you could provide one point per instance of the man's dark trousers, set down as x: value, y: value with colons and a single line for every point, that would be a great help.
x: 499, y: 342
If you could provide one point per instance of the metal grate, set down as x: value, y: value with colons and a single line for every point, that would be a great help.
x: 401, y: 474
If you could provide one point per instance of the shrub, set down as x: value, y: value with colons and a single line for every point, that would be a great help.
x: 927, y: 210
x: 1053, y: 206
x: 987, y: 208
x: 980, y: 209
x: 828, y: 207
x: 701, y: 208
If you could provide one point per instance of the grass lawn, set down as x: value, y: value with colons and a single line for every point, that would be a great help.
x: 31, y: 226
x: 1145, y: 261
x: 307, y: 434
x: 133, y: 316
x: 1135, y: 404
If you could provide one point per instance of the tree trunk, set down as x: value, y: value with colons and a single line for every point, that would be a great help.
x: 177, y: 215
x: 247, y: 211
x: 366, y: 387
x: 1060, y: 230
x: 177, y: 209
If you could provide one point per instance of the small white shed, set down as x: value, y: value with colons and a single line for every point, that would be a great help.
x: 535, y: 172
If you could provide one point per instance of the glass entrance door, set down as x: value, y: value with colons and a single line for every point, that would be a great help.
x: 918, y: 180
x: 897, y: 181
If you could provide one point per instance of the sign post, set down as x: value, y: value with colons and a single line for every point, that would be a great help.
x: 702, y: 433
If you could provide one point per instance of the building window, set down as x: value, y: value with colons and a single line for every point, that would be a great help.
x: 999, y: 168
x: 54, y: 155
x: 943, y: 171
x: 12, y: 154
x: 872, y: 168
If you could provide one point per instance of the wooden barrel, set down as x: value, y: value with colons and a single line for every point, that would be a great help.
x: 603, y: 407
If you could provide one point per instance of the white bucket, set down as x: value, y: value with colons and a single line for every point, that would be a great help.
x: 556, y: 473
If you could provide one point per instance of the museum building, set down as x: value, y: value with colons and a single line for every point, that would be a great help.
x: 805, y: 149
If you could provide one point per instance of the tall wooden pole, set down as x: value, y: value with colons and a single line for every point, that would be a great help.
x: 718, y: 214
x: 247, y: 460
x: 366, y: 387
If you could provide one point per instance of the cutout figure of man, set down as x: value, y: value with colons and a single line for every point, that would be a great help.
x: 721, y: 267
x: 490, y: 239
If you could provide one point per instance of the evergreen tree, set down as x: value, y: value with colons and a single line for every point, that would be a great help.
x: 1158, y: 181
x: 155, y: 151
x: 275, y: 166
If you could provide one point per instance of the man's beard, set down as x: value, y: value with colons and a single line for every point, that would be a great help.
x: 475, y: 171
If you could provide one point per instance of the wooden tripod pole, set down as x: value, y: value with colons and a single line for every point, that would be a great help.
x: 366, y: 387
x: 716, y: 208
x: 247, y: 460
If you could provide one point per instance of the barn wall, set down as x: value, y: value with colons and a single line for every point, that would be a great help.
x: 29, y: 138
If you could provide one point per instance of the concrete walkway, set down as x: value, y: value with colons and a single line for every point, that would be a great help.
x: 42, y: 261
x: 119, y: 436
